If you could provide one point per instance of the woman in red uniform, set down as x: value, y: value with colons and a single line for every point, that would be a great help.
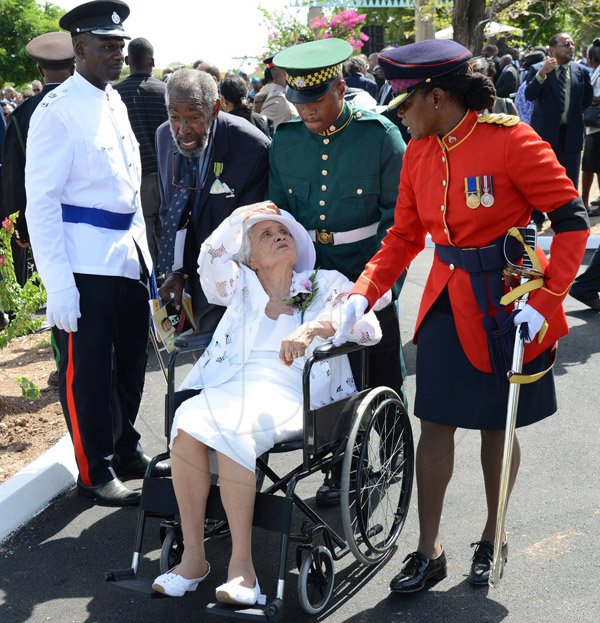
x: 467, y: 179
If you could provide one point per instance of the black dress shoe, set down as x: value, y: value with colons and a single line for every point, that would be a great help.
x: 111, y: 493
x: 591, y: 301
x: 328, y: 495
x: 482, y: 561
x: 136, y: 468
x: 418, y: 572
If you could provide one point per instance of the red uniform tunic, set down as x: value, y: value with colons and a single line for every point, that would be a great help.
x: 525, y: 175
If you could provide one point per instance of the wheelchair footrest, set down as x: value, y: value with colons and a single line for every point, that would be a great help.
x: 127, y: 580
x: 270, y: 612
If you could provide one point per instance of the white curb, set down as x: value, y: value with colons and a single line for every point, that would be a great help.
x: 29, y: 491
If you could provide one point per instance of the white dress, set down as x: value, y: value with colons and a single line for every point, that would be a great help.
x: 251, y: 400
x: 269, y: 412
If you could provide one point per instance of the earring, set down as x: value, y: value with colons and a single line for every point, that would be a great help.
x: 436, y: 106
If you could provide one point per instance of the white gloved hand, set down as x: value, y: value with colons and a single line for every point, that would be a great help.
x: 532, y: 318
x: 62, y: 309
x: 352, y: 311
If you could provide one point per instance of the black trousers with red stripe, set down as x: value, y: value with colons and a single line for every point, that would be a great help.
x: 101, y: 376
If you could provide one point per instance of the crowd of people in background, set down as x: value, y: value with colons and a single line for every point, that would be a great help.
x: 129, y: 185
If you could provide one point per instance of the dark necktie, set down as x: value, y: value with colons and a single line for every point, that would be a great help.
x: 562, y: 86
x: 179, y: 201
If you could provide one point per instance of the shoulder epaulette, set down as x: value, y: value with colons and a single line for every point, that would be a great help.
x: 499, y: 119
x: 54, y: 96
x: 289, y: 124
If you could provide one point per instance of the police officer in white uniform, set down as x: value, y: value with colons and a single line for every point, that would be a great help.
x: 86, y: 225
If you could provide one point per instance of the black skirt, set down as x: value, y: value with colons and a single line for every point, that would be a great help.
x: 451, y: 391
x: 591, y: 153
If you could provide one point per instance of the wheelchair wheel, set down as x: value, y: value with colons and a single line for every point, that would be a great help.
x: 315, y: 582
x: 172, y: 549
x: 377, y: 475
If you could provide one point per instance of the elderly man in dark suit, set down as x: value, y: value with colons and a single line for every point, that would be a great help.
x: 209, y: 163
x: 561, y: 90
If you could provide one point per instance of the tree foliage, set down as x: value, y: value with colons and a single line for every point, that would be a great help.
x: 21, y: 21
x: 541, y: 19
x: 538, y: 19
x: 285, y: 29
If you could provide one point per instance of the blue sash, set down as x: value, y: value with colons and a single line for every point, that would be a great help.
x: 97, y: 217
x: 484, y: 266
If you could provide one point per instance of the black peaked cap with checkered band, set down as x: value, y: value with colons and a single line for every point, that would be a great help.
x: 311, y: 68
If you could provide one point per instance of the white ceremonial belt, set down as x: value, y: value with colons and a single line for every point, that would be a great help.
x: 322, y: 236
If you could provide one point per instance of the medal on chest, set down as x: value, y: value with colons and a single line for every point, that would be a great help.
x: 472, y: 192
x: 487, y: 198
x: 218, y: 187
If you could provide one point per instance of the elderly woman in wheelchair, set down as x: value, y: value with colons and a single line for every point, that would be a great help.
x: 259, y: 263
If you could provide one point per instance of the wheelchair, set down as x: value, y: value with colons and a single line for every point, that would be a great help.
x: 369, y: 432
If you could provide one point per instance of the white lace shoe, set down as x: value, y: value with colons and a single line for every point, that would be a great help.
x: 235, y: 593
x: 174, y: 585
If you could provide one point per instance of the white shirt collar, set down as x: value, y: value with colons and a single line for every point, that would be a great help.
x: 87, y: 87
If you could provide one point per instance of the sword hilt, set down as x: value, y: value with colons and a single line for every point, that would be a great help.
x: 530, y: 238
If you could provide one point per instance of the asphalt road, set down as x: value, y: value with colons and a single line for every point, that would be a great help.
x: 52, y: 570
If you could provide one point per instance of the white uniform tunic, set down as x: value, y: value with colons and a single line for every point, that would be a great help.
x: 81, y: 151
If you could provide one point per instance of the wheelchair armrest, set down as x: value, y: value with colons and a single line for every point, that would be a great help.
x: 328, y: 350
x: 195, y: 341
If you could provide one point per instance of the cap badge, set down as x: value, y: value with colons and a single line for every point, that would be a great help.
x: 115, y: 18
x: 299, y: 82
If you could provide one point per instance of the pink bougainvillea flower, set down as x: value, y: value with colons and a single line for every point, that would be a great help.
x: 8, y: 225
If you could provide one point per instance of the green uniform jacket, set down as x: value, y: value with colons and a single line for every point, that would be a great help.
x: 339, y: 181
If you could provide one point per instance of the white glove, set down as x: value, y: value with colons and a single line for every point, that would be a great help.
x: 352, y: 311
x: 532, y: 318
x: 62, y: 309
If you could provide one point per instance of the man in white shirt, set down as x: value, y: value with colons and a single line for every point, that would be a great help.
x: 86, y: 225
x: 271, y: 100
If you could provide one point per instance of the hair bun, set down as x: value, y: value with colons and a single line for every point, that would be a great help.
x: 596, y: 41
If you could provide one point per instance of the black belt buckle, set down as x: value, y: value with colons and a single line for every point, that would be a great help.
x: 323, y: 236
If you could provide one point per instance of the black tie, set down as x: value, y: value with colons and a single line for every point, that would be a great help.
x: 562, y: 86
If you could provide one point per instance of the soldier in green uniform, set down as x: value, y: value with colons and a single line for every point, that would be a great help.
x: 337, y: 169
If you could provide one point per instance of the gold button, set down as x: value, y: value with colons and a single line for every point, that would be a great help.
x: 290, y: 191
x: 444, y: 183
x: 358, y: 115
x: 445, y: 230
x: 451, y: 266
x: 324, y: 172
x: 325, y: 157
x: 323, y: 187
x: 325, y: 141
x: 443, y: 158
x: 322, y: 217
x: 442, y: 207
x: 321, y: 203
x: 332, y: 128
x: 359, y: 191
